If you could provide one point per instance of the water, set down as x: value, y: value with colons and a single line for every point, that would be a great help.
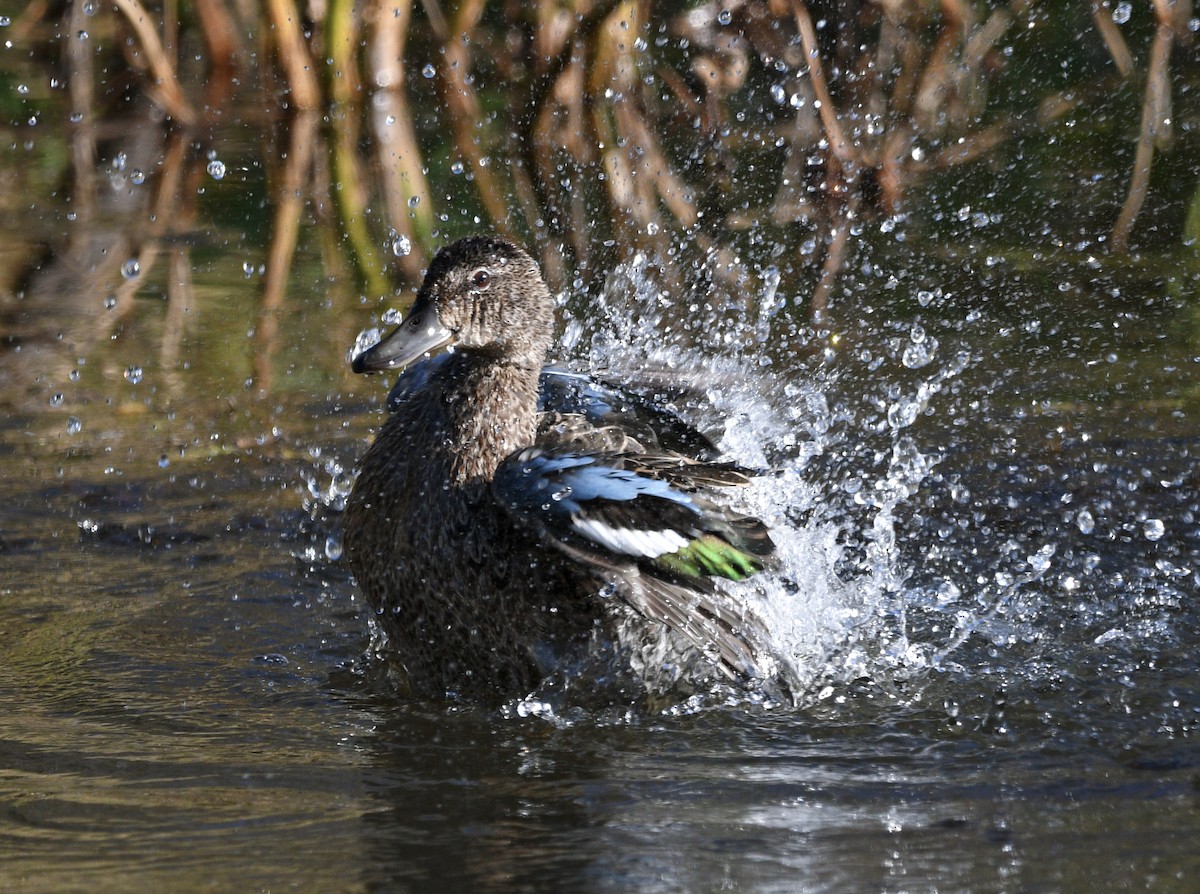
x: 1005, y: 694
x: 984, y: 493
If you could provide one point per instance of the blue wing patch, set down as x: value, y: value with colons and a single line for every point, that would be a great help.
x: 595, y: 502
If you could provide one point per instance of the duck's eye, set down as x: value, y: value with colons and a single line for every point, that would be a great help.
x: 480, y: 278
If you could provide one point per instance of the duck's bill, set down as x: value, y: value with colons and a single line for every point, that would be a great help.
x: 419, y: 334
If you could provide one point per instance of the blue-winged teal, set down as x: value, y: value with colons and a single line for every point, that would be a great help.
x: 509, y: 520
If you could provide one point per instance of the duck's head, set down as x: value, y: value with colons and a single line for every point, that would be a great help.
x: 480, y: 294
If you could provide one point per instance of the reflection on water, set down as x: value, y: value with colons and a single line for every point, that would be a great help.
x: 988, y: 496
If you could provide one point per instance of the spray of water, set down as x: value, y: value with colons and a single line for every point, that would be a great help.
x: 826, y: 627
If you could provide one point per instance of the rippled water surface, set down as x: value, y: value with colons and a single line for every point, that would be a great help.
x: 987, y: 502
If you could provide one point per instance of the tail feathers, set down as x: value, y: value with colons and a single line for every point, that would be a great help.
x: 722, y: 632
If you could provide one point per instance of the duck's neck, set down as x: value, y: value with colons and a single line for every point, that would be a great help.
x: 492, y: 413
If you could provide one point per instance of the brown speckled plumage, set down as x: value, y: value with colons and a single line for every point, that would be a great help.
x: 471, y: 600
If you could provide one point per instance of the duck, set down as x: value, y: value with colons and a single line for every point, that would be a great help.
x: 513, y: 522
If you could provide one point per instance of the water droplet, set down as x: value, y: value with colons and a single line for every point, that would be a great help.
x: 903, y: 413
x: 119, y: 161
x: 23, y: 89
x: 56, y: 400
x: 130, y: 270
x: 1040, y: 561
x: 333, y: 548
x: 1153, y: 529
x: 456, y: 168
x: 82, y: 35
x: 247, y: 269
x: 1085, y: 521
x: 414, y: 201
x: 163, y: 461
x: 1121, y: 13
x: 342, y: 484
x: 110, y: 301
x: 137, y: 178
x: 392, y: 317
x: 133, y: 374
x: 5, y: 21
x: 724, y: 17
x: 74, y: 426
x: 428, y: 71
x: 402, y: 246
x: 216, y: 169
x: 366, y: 339
x: 919, y: 354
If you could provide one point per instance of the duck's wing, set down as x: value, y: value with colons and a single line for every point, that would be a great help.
x: 594, y: 414
x: 652, y: 529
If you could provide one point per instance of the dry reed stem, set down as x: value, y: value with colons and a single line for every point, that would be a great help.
x: 835, y: 257
x: 167, y: 86
x: 290, y: 196
x: 285, y: 233
x: 972, y: 83
x: 24, y: 24
x: 341, y: 45
x: 82, y: 92
x: 931, y: 86
x: 220, y: 35
x: 531, y: 180
x: 1155, y: 127
x: 838, y: 145
x: 293, y: 54
x: 460, y: 98
x: 181, y: 297
x: 895, y: 36
x: 162, y: 220
x: 398, y: 147
x: 654, y: 169
x: 1113, y: 39
x: 436, y: 18
x: 351, y: 196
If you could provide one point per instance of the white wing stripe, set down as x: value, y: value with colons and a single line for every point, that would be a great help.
x: 629, y: 542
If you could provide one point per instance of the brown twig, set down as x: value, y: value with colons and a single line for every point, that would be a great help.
x: 835, y: 257
x: 285, y: 231
x: 460, y: 98
x: 1155, y: 127
x: 406, y: 190
x: 293, y: 54
x: 1112, y: 37
x: 838, y: 145
x: 168, y: 90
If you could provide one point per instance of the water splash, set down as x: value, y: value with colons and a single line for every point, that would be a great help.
x: 326, y: 488
x: 832, y: 618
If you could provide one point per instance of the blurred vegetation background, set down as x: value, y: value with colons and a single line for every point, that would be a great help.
x: 590, y: 130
